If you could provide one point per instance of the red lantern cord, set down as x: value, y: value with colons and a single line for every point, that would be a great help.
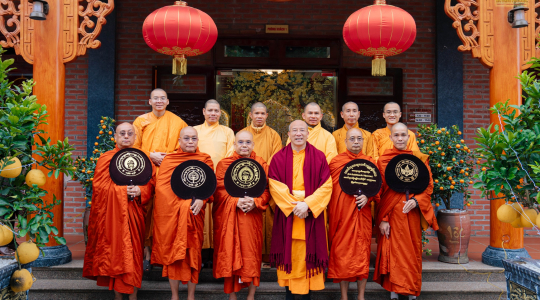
x: 379, y: 31
x: 179, y: 30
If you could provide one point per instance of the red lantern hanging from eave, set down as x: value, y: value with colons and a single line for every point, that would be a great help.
x: 179, y: 30
x: 379, y: 31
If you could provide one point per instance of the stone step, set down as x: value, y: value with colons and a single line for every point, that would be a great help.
x: 58, y: 289
x: 432, y: 272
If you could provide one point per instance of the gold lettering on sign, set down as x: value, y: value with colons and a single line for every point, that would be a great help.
x: 277, y: 28
x: 360, y: 173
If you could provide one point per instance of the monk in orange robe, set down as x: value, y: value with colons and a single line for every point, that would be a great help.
x: 381, y: 140
x: 350, y: 229
x: 114, y: 253
x: 398, y: 267
x: 267, y: 143
x: 350, y: 114
x: 217, y: 141
x: 301, y: 186
x: 238, y: 226
x: 178, y: 225
x: 318, y: 136
x: 157, y: 135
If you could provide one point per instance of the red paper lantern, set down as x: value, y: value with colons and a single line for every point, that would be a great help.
x: 180, y: 31
x: 379, y: 31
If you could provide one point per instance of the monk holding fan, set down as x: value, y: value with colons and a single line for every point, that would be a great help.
x: 114, y: 253
x: 405, y: 199
x: 179, y: 221
x: 349, y: 214
x: 239, y: 202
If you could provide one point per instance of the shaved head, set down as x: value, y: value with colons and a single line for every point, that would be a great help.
x: 350, y: 103
x: 125, y: 135
x: 312, y: 114
x: 212, y: 111
x: 211, y: 101
x: 399, y: 136
x: 392, y: 103
x: 259, y: 105
x: 354, y: 140
x: 297, y: 122
x: 189, y: 139
x: 354, y: 132
x: 311, y: 105
x: 158, y: 90
x: 243, y: 143
x: 298, y: 134
x: 399, y: 126
x: 350, y: 114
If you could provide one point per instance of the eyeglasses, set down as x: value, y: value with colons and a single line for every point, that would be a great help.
x: 392, y: 112
x: 247, y: 143
x: 160, y: 98
x: 187, y: 139
x: 129, y: 133
x: 352, y: 139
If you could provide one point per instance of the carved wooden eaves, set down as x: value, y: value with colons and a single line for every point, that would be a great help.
x: 79, y: 30
x: 473, y: 21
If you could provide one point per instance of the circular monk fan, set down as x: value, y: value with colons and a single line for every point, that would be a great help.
x: 360, y: 177
x: 406, y: 173
x: 193, y: 179
x: 130, y: 166
x: 245, y: 177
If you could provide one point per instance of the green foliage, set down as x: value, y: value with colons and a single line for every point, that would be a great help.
x: 22, y: 120
x: 85, y: 166
x: 452, y: 162
x: 512, y: 151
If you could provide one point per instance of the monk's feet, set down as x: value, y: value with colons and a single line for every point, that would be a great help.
x: 117, y: 296
x: 232, y: 296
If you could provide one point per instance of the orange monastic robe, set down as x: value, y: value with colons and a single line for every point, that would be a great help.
x: 382, y: 142
x: 237, y: 235
x: 398, y: 267
x: 217, y: 141
x: 323, y: 141
x: 368, y: 148
x: 298, y: 281
x: 178, y: 234
x: 114, y: 253
x: 267, y: 143
x: 156, y: 135
x: 349, y: 236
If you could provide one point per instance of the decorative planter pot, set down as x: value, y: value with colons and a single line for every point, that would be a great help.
x: 454, y: 234
x: 522, y: 278
x: 5, y: 276
x: 86, y: 220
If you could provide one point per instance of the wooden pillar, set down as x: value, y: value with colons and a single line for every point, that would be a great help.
x: 503, y: 86
x: 49, y: 75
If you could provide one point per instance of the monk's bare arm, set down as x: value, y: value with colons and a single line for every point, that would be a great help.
x: 282, y: 196
x: 318, y: 201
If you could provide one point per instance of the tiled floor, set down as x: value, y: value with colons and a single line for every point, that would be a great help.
x: 477, y: 245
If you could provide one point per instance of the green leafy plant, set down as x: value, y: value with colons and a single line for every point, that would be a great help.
x: 85, y: 166
x: 22, y: 120
x: 512, y: 147
x: 451, y: 161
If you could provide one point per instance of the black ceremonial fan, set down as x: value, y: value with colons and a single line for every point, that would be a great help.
x: 406, y: 173
x: 130, y: 166
x: 360, y: 177
x: 245, y: 177
x: 193, y: 179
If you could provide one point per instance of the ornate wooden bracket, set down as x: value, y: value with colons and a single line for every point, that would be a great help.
x: 474, y: 25
x: 80, y: 32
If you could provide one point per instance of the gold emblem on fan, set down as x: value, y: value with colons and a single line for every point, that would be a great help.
x: 245, y: 175
x: 130, y: 164
x: 407, y: 170
x: 193, y: 177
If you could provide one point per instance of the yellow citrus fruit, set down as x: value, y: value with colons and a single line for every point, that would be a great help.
x: 110, y: 132
x: 484, y: 169
x: 443, y: 129
x: 438, y: 131
x: 21, y: 281
x: 439, y: 148
x: 436, y: 180
x: 518, y: 207
x: 462, y: 141
x: 10, y: 171
x: 35, y: 176
x: 461, y: 181
x: 6, y: 236
x: 528, y: 217
x: 451, y: 187
x: 453, y: 159
x: 101, y: 121
x: 437, y: 142
x: 450, y: 178
x: 443, y: 154
x: 100, y: 132
x: 458, y: 146
x: 112, y: 139
x: 441, y: 188
x: 468, y: 204
x: 103, y: 126
x: 453, y: 182
x: 449, y: 168
x: 471, y: 182
x: 461, y: 171
x: 537, y: 219
x: 422, y: 141
x: 437, y: 204
x: 430, y: 152
x: 459, y: 132
x: 517, y: 223
x: 507, y: 214
x: 461, y: 161
x: 27, y: 252
x: 439, y: 165
x: 96, y: 143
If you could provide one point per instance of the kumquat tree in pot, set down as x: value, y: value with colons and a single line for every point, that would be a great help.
x: 452, y: 164
x: 512, y: 154
x: 23, y: 147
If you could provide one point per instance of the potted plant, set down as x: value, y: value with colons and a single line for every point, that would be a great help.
x: 85, y: 166
x: 23, y: 212
x: 452, y: 164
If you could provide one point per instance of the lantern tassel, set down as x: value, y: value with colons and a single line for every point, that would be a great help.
x: 378, y: 66
x: 179, y: 65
